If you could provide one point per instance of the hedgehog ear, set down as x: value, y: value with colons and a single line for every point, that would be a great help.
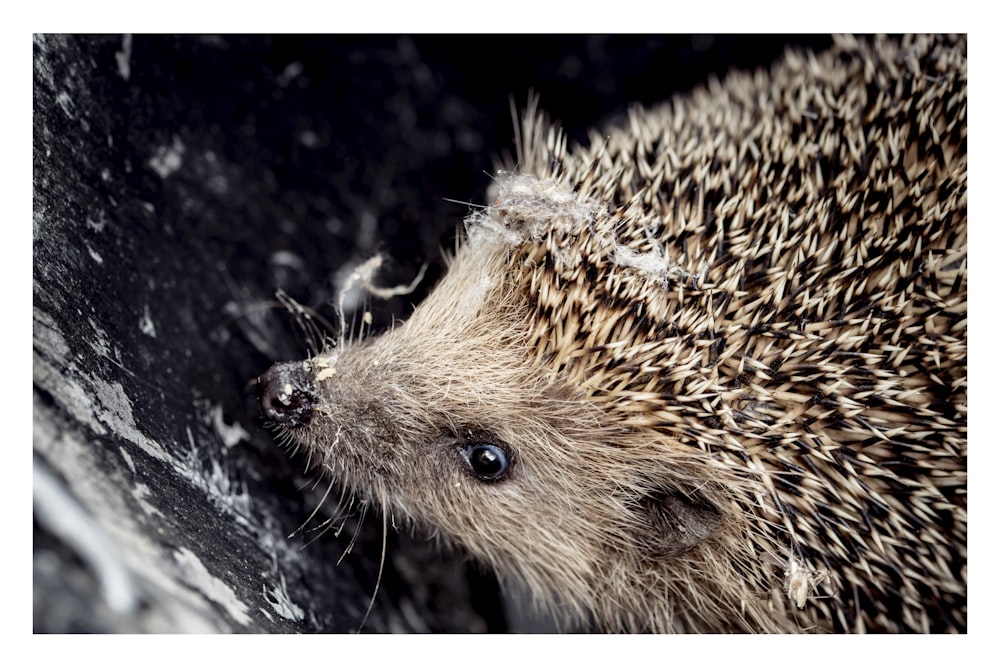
x: 678, y: 522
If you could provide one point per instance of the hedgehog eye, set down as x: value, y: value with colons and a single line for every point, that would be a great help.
x: 488, y: 461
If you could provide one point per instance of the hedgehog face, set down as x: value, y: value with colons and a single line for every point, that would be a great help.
x: 502, y: 482
x: 447, y: 420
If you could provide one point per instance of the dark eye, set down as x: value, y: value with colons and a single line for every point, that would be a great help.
x: 489, y: 462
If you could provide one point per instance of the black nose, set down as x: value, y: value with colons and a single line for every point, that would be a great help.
x: 286, y: 394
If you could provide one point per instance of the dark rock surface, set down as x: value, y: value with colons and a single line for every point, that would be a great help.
x: 179, y: 182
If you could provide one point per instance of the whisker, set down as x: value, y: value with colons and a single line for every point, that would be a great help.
x: 378, y: 579
x: 319, y: 505
x: 357, y: 531
x: 314, y: 326
x: 464, y: 203
x: 322, y: 528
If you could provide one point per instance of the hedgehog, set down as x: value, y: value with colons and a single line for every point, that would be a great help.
x: 706, y: 373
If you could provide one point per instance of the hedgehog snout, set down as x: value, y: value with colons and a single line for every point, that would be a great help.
x: 286, y: 394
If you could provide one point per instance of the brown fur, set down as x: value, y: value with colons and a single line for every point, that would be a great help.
x: 725, y: 347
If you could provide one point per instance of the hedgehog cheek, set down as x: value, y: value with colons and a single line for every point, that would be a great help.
x: 678, y: 523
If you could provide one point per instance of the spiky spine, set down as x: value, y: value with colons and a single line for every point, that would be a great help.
x: 772, y: 274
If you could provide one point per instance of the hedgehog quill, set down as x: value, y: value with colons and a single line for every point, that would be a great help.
x: 705, y: 374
